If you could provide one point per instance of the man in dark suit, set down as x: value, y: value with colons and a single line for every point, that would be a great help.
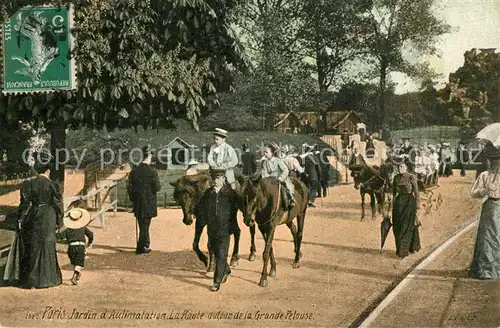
x: 345, y: 139
x: 216, y: 207
x: 248, y: 161
x: 356, y: 158
x: 143, y: 184
x: 312, y: 171
x: 410, y: 154
x: 462, y: 158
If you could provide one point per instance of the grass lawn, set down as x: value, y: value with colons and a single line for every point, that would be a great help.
x: 92, y: 142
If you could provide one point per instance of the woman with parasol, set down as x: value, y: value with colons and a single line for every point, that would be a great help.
x: 405, y: 211
x: 486, y: 257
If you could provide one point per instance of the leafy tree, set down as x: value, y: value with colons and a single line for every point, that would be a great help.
x: 397, y: 25
x: 280, y: 80
x: 333, y: 35
x: 140, y: 61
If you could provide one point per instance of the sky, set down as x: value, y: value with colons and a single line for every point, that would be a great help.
x: 475, y: 24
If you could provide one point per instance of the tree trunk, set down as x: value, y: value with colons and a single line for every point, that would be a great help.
x: 382, y: 87
x: 57, y: 149
x: 323, y: 88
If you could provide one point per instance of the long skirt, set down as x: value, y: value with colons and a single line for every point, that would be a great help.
x: 486, y: 259
x: 404, y: 215
x: 39, y: 267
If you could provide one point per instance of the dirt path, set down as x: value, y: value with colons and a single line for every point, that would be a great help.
x: 447, y: 295
x: 342, y: 272
x: 73, y: 184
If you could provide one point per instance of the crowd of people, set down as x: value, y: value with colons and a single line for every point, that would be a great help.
x: 33, y: 263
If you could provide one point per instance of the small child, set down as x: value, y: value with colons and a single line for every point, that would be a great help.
x: 76, y: 222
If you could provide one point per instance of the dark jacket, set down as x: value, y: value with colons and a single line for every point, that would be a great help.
x: 38, y: 265
x: 410, y: 160
x: 325, y: 169
x: 72, y: 235
x: 312, y: 168
x: 143, y: 184
x: 462, y: 156
x: 356, y: 160
x: 249, y: 163
x: 345, y: 140
x: 216, y: 208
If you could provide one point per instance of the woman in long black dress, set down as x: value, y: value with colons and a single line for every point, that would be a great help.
x: 405, y: 220
x: 38, y: 258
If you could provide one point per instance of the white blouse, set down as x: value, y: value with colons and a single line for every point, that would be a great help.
x: 485, y: 186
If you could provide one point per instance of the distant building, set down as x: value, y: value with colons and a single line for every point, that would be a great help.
x: 320, y: 122
x: 175, y: 155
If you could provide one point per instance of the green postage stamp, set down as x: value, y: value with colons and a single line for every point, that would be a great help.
x: 36, y: 49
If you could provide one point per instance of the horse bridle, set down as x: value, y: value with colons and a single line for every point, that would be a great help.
x: 376, y: 175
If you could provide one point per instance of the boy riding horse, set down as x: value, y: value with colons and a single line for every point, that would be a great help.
x: 275, y: 167
x: 223, y: 157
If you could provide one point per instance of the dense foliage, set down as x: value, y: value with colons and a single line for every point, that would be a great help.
x: 398, y: 25
x: 140, y: 62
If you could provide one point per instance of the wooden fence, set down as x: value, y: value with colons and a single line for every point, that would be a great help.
x: 106, y: 198
x: 97, y: 171
x: 331, y: 140
x: 164, y: 198
x: 14, y: 179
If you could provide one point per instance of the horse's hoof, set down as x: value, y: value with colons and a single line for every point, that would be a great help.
x: 296, y: 265
x: 234, y: 263
x: 209, y: 274
x: 263, y: 283
x: 272, y: 273
x: 252, y: 257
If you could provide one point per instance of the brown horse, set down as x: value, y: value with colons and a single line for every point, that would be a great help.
x: 262, y: 204
x: 373, y: 181
x: 188, y: 191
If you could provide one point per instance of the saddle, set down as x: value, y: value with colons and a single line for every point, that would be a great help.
x: 284, y: 197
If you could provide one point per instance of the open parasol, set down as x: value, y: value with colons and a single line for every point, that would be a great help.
x: 490, y: 133
x: 385, y: 227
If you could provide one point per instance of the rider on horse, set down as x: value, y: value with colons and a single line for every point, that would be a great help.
x: 223, y: 157
x: 274, y: 166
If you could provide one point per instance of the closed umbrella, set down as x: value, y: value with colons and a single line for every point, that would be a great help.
x: 385, y: 227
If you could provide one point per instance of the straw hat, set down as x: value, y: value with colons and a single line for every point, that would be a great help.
x: 220, y: 132
x: 215, y: 173
x: 76, y: 218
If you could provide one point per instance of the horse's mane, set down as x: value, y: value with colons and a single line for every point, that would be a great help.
x: 192, y: 184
